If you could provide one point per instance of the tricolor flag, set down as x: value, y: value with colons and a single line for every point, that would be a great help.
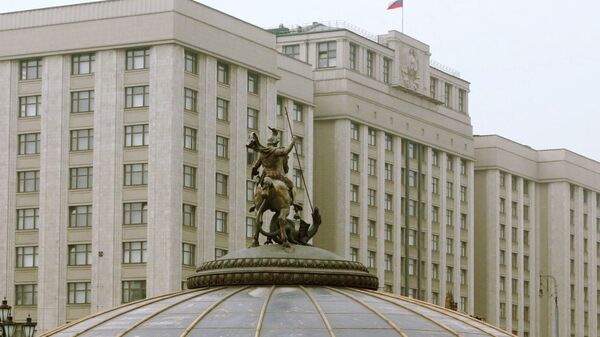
x: 396, y: 4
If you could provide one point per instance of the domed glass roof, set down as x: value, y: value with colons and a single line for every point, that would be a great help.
x: 270, y: 291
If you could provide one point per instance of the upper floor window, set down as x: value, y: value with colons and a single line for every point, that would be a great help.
x: 222, y: 147
x: 29, y: 143
x: 83, y: 64
x: 389, y: 142
x: 189, y: 138
x: 82, y: 101
x: 137, y: 97
x: 80, y: 216
x: 80, y: 255
x: 133, y: 291
x: 79, y: 292
x: 136, y: 174
x: 280, y: 106
x: 190, y: 100
x: 253, y: 80
x: 191, y: 62
x: 31, y: 69
x: 188, y: 254
x: 370, y: 63
x: 387, y: 65
x: 292, y: 50
x: 447, y: 94
x: 353, y: 56
x: 136, y: 135
x: 29, y: 181
x: 27, y: 257
x: 27, y: 218
x: 81, y: 178
x: 134, y: 252
x: 135, y: 213
x: 462, y: 100
x: 298, y: 112
x: 222, y: 73
x: 252, y: 119
x: 354, y: 131
x: 137, y: 59
x: 372, y: 140
x: 327, y: 54
x: 82, y: 140
x: 433, y: 87
x: 221, y: 184
x: 29, y: 106
x: 26, y: 294
x: 189, y: 215
x: 220, y: 222
x: 222, y: 109
x: 299, y: 144
x: 189, y: 176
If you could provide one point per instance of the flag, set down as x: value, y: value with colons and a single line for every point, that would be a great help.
x: 396, y: 4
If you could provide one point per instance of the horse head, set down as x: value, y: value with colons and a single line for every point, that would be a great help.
x: 253, y: 142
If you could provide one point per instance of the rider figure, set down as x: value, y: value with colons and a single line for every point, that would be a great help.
x: 274, y: 160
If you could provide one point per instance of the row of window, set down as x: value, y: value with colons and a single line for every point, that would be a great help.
x: 80, y: 292
x: 448, y: 89
x: 514, y: 209
x: 514, y: 286
x: 412, y: 204
x: 514, y: 260
x: 515, y: 312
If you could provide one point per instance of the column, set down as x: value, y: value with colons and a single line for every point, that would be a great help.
x: 363, y: 191
x: 428, y: 225
x: 398, y: 216
x: 380, y: 171
x: 471, y: 236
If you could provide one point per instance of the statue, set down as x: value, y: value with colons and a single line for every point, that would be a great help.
x: 410, y: 72
x: 299, y: 236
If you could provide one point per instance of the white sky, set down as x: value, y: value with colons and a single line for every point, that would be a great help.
x: 534, y: 65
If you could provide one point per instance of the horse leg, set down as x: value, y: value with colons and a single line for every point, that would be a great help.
x: 283, y: 214
x: 259, y: 222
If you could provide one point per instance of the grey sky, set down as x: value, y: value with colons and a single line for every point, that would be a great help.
x: 534, y: 65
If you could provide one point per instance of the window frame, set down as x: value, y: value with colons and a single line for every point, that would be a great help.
x: 77, y: 62
x: 79, y: 101
x: 25, y: 142
x: 136, y: 130
x: 81, y: 178
x: 79, y: 137
x: 135, y: 170
x: 77, y: 214
x: 327, y: 56
x: 132, y: 94
x: 77, y: 251
x: 24, y: 106
x: 133, y: 56
x: 133, y: 210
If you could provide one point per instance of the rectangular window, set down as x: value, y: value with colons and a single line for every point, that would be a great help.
x: 222, y: 109
x: 412, y: 178
x: 412, y: 237
x: 389, y: 172
x: 79, y: 292
x: 449, y: 246
x: 412, y: 266
x: 250, y: 186
x: 190, y: 102
x: 220, y: 252
x: 372, y: 167
x: 372, y: 229
x: 222, y: 73
x: 222, y: 147
x: 353, y: 56
x: 372, y: 201
x: 463, y: 249
x: 137, y: 97
x: 80, y: 254
x: 388, y: 202
x: 191, y: 62
x: 371, y: 259
x: 299, y: 144
x: 463, y: 167
x: 354, y: 131
x: 450, y: 162
x: 27, y: 257
x: 189, y: 176
x: 29, y: 181
x: 189, y: 215
x: 354, y: 162
x: 353, y: 225
x: 292, y: 50
x: 80, y: 216
x: 298, y: 112
x: 389, y: 144
x: 27, y: 218
x: 435, y: 214
x: 252, y: 119
x: 463, y: 193
x: 253, y: 82
x: 81, y: 178
x: 463, y: 276
x: 463, y: 221
x: 188, y: 254
x: 449, y: 217
x: 447, y: 93
x: 433, y: 87
x: 435, y: 185
x: 82, y: 64
x: 435, y: 271
x: 220, y: 222
x: 298, y: 179
x: 411, y: 151
x: 221, y: 184
x: 134, y: 252
x: 29, y: 106
x: 280, y: 106
x: 29, y: 143
x: 449, y: 190
x: 82, y: 140
x: 327, y: 54
x: 135, y: 174
x: 388, y: 262
x: 82, y: 101
x: 250, y: 224
x: 435, y: 241
x: 412, y: 207
x: 435, y: 158
x: 370, y: 63
x: 353, y: 254
x: 189, y: 138
x: 31, y: 69
x: 449, y: 274
x: 25, y: 294
x: 136, y: 135
x: 387, y: 65
x: 372, y: 139
x: 135, y: 213
x: 137, y: 59
x: 462, y: 98
x: 133, y: 291
x: 353, y: 193
x: 388, y: 232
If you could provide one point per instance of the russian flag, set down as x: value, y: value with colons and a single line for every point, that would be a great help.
x: 396, y: 4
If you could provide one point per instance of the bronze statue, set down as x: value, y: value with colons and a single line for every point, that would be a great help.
x: 299, y: 236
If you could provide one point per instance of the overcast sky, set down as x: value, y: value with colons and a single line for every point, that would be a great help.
x: 534, y: 65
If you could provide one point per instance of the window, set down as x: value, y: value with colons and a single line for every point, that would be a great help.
x: 353, y: 254
x: 134, y: 252
x: 463, y: 221
x: 372, y: 167
x: 27, y: 257
x: 372, y: 201
x: 435, y: 271
x: 81, y: 178
x: 412, y: 237
x: 502, y: 231
x: 411, y: 268
x: 29, y: 181
x: 83, y: 64
x: 327, y: 54
x: 353, y: 225
x: 388, y: 232
x: 502, y: 283
x: 221, y: 184
x: 372, y: 140
x: 133, y: 291
x: 297, y: 179
x: 136, y: 135
x: 463, y: 193
x: 82, y: 140
x: 299, y: 144
x: 80, y: 216
x: 388, y: 202
x: 514, y: 260
x: 79, y: 292
x: 463, y: 277
x: 189, y: 215
x: 222, y: 73
x: 220, y: 222
x: 250, y: 224
x: 502, y: 257
x: 190, y: 100
x: 29, y: 143
x: 371, y: 259
x: 137, y: 59
x: 449, y: 190
x: 82, y: 101
x: 292, y: 50
x: 388, y: 262
x: 353, y: 193
x: 252, y: 119
x: 450, y: 164
x: 435, y: 158
x: 298, y: 112
x: 435, y: 214
x: 463, y: 167
x: 389, y: 169
x: 463, y: 249
x: 514, y: 182
x: 250, y: 186
x: 449, y: 274
x: 526, y: 237
x: 354, y: 131
x: 435, y: 185
x: 447, y: 93
x: 502, y: 179
x: 29, y: 106
x: 435, y: 239
x: 449, y: 246
x: 80, y: 254
x: 412, y: 207
x: 253, y: 80
x: 191, y: 62
x: 412, y: 178
x: 502, y: 206
x: 135, y: 213
x: 435, y: 298
x: 189, y: 138
x: 222, y: 147
x: 136, y: 174
x: 189, y: 176
x: 26, y: 294
x: 462, y: 98
x: 354, y: 162
x: 188, y: 254
x: 280, y: 106
x: 370, y: 63
x: 27, y: 218
x: 31, y: 69
x: 411, y: 151
x: 222, y: 109
x: 372, y: 229
x: 503, y: 310
x: 433, y: 87
x: 353, y: 56
x: 389, y: 143
x: 513, y: 209
x: 137, y: 97
x: 219, y: 252
x: 387, y: 65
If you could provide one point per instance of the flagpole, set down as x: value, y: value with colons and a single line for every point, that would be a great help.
x: 402, y: 18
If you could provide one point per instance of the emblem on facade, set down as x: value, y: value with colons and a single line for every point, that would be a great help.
x: 410, y: 72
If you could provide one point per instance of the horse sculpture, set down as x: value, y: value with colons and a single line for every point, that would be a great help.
x: 272, y: 196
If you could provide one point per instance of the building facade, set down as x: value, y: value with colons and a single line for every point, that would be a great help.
x: 393, y: 159
x: 123, y: 161
x: 537, y: 223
